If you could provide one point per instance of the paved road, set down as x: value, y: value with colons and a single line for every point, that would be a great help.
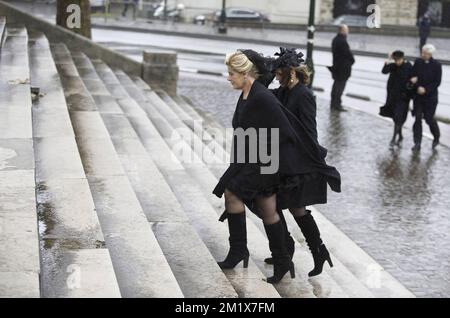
x: 394, y: 204
x: 361, y: 42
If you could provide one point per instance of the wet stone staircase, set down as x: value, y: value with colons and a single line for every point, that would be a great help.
x: 96, y: 199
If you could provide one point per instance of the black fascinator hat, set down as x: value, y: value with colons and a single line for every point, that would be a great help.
x: 288, y: 58
x: 263, y: 64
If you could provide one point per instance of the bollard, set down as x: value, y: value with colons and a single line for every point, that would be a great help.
x: 161, y: 70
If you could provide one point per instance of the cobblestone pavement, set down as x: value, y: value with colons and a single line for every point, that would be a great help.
x: 394, y: 205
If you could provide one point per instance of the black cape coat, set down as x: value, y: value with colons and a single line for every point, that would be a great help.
x: 301, y: 103
x: 301, y: 108
x: 397, y: 87
x: 297, y: 154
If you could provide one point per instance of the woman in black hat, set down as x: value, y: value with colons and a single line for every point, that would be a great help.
x: 245, y: 184
x: 398, y: 94
x: 311, y: 188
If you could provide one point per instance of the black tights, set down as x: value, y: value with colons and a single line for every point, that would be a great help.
x: 266, y: 207
x: 298, y: 212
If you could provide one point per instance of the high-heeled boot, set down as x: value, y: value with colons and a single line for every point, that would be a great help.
x: 312, y: 236
x: 238, y: 242
x: 290, y: 243
x: 281, y: 259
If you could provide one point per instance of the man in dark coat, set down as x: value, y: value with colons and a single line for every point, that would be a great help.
x: 342, y: 66
x: 133, y: 3
x: 424, y: 25
x: 398, y: 95
x: 426, y: 76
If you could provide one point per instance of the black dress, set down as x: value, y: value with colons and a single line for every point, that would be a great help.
x: 310, y: 188
x: 296, y: 157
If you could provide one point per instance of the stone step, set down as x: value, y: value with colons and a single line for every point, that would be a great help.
x: 187, y: 105
x: 346, y: 281
x: 160, y: 153
x: 182, y: 114
x: 372, y: 275
x: 340, y: 274
x: 135, y: 253
x: 178, y: 240
x: 208, y: 180
x: 19, y: 240
x: 15, y: 121
x: 199, y: 211
x: 68, y: 241
x: 349, y: 260
x: 209, y: 122
x: 2, y: 30
x: 212, y: 150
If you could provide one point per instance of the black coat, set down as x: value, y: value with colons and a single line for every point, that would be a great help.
x: 429, y: 76
x: 297, y: 156
x: 398, y: 92
x: 342, y: 58
x: 300, y: 101
x: 300, y: 104
x: 397, y: 85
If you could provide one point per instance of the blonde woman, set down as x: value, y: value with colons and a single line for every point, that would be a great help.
x: 244, y: 183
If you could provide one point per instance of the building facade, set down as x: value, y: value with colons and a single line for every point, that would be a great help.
x: 392, y: 12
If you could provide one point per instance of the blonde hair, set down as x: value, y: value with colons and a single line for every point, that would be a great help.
x: 240, y: 63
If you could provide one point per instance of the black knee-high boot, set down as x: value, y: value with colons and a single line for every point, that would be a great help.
x: 399, y: 133
x: 277, y: 244
x: 312, y: 236
x: 290, y: 243
x: 238, y: 242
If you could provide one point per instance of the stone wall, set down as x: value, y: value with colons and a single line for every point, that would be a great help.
x: 393, y: 12
x: 73, y: 41
x: 161, y: 70
x: 326, y: 11
x: 398, y: 12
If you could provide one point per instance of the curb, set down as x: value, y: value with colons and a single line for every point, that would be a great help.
x: 357, y: 96
x: 239, y: 39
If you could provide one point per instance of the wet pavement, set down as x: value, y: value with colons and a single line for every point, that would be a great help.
x: 394, y: 205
